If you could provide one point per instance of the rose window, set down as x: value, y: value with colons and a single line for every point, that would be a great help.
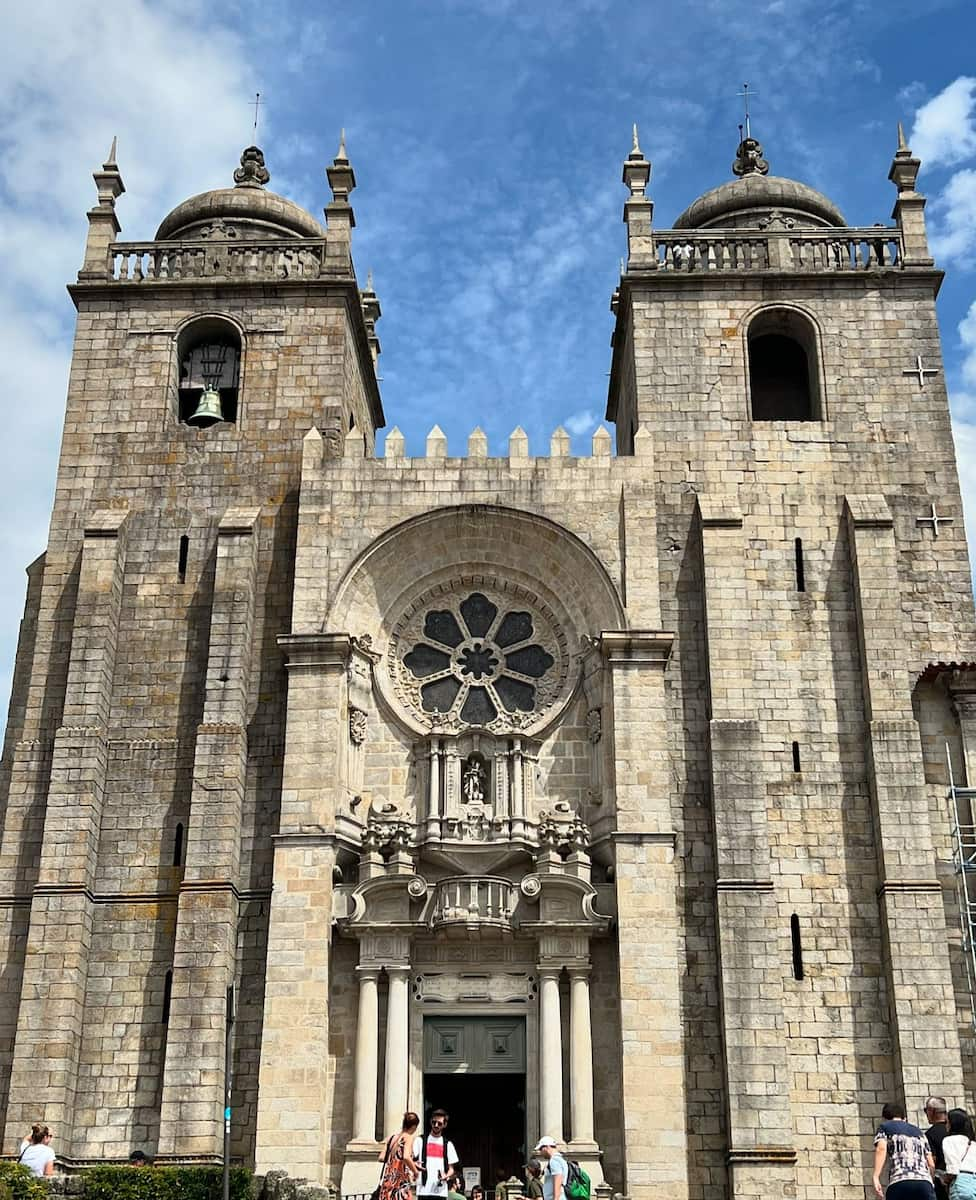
x: 479, y: 661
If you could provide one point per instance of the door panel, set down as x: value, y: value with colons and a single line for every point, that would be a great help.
x: 474, y: 1045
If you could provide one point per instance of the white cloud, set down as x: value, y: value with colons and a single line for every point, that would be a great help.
x: 173, y: 87
x: 953, y: 227
x: 911, y: 95
x: 967, y: 335
x: 944, y: 132
x: 964, y: 436
x: 581, y: 422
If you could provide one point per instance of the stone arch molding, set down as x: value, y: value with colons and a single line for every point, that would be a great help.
x: 476, y: 615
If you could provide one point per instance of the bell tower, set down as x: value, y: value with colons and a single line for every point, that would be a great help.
x: 145, y: 770
x: 786, y: 367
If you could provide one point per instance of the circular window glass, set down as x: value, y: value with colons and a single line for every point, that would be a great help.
x: 479, y: 657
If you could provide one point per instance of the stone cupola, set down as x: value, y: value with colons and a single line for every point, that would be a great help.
x: 247, y: 210
x: 755, y: 197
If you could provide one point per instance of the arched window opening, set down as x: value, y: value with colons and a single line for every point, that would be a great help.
x: 782, y: 374
x: 780, y: 379
x: 209, y: 372
x: 183, y: 556
x: 178, y: 846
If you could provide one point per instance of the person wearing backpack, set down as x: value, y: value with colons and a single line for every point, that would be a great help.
x: 436, y: 1157
x: 557, y: 1169
x: 563, y: 1179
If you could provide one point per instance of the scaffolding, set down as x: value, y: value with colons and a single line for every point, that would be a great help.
x: 964, y: 866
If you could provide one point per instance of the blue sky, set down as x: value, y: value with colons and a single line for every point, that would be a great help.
x: 487, y: 138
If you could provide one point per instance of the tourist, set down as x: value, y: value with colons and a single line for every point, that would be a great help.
x: 38, y: 1156
x: 435, y: 1156
x: 557, y: 1170
x: 936, y: 1113
x: 477, y: 1192
x: 533, y: 1179
x: 455, y: 1188
x: 139, y: 1158
x: 399, y: 1169
x: 959, y: 1148
x: 908, y: 1154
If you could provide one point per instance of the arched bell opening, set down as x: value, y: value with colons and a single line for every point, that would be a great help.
x: 783, y: 375
x: 209, y: 358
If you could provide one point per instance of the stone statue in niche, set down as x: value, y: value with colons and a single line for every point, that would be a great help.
x: 474, y: 780
x: 476, y: 820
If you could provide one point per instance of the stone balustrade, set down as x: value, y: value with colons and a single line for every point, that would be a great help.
x: 473, y: 900
x: 801, y: 250
x: 154, y: 262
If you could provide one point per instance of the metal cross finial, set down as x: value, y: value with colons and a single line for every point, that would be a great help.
x: 746, y: 94
x: 920, y: 371
x: 257, y: 105
x: 934, y: 520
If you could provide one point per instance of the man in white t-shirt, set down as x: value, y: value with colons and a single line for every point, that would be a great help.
x: 435, y: 1156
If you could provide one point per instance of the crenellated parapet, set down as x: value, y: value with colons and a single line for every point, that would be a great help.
x: 436, y: 449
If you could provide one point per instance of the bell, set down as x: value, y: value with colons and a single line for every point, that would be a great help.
x: 208, y: 411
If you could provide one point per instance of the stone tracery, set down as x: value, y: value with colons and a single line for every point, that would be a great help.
x: 480, y: 658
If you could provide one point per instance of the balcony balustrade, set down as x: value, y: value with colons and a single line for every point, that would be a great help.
x: 473, y: 900
x: 154, y: 262
x: 802, y: 251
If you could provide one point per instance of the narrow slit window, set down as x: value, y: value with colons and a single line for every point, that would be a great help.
x: 184, y: 555
x: 796, y: 757
x: 167, y: 995
x: 797, y: 947
x: 801, y: 580
x: 178, y: 846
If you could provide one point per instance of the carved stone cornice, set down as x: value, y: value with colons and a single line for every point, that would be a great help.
x: 637, y: 647
x: 315, y: 651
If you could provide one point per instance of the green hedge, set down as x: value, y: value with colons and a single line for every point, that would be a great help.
x: 164, y: 1183
x: 17, y: 1183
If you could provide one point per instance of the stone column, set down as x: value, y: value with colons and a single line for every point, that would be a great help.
x: 434, y: 812
x: 397, y: 1034
x: 581, y: 1057
x: 550, y: 1053
x: 367, y: 1034
x: 927, y: 1054
x: 47, y: 1047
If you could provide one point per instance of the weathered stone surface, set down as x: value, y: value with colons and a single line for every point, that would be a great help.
x: 212, y: 775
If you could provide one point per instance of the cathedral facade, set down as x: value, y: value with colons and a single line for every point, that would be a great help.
x: 601, y: 797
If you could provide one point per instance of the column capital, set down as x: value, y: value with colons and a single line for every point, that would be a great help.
x: 550, y: 970
x: 368, y: 971
x: 397, y: 968
x: 578, y: 970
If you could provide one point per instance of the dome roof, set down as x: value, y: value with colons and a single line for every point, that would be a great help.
x: 246, y: 210
x: 755, y: 195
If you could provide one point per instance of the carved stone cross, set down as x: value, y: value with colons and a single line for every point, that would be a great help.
x: 934, y: 520
x: 920, y: 371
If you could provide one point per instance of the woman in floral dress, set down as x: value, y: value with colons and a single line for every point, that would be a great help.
x: 399, y: 1168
